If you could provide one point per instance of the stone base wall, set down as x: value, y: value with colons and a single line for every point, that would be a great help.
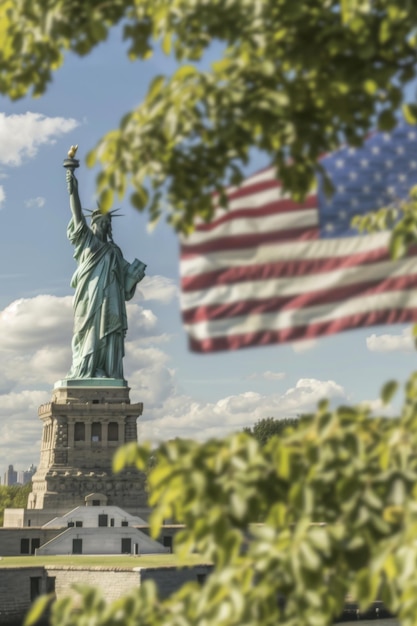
x: 66, y: 488
x: 17, y: 591
x: 117, y: 582
x: 113, y: 582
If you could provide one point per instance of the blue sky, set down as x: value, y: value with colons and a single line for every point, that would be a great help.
x: 184, y: 394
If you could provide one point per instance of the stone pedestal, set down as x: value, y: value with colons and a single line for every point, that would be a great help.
x: 86, y: 420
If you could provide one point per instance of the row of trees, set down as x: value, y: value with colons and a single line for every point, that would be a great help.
x: 13, y: 497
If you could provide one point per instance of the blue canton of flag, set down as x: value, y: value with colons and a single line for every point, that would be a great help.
x: 367, y: 178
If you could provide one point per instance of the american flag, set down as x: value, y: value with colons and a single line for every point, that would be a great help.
x: 268, y: 270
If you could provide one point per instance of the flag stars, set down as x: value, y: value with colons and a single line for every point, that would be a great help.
x: 353, y: 175
x: 375, y: 150
x: 340, y: 189
x: 340, y: 163
x: 411, y: 135
x: 386, y: 136
x: 377, y: 176
x: 413, y: 165
x: 364, y: 162
x: 342, y: 214
x: 388, y: 163
x: 402, y: 177
x: 329, y: 227
x: 366, y: 189
x: 354, y: 203
x: 399, y: 150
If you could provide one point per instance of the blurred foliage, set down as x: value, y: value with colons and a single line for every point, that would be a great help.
x: 399, y: 218
x: 267, y: 427
x: 13, y: 497
x: 338, y: 500
x: 293, y: 79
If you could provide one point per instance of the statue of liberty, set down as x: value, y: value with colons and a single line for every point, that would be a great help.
x: 103, y: 281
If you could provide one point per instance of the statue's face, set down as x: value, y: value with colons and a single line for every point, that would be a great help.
x: 101, y: 228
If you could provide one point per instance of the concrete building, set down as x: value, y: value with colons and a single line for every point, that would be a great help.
x: 99, y: 530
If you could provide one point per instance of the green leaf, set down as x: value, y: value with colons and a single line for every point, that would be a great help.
x: 410, y: 113
x: 388, y: 391
x: 91, y: 158
x: 131, y: 454
x: 139, y: 198
x: 397, y: 246
x: 106, y: 200
x: 38, y: 609
x: 184, y: 72
x: 155, y: 87
x: 387, y: 120
x: 167, y: 43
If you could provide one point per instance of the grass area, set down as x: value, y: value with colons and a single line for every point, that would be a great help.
x: 91, y: 560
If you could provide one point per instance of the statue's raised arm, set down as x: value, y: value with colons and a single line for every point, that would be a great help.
x: 103, y: 281
x: 75, y: 203
x: 70, y: 164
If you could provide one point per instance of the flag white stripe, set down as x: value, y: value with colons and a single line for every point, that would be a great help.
x: 406, y: 299
x: 250, y: 201
x: 270, y: 288
x: 273, y: 253
x: 269, y: 223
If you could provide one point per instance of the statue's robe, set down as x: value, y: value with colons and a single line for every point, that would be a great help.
x: 103, y: 282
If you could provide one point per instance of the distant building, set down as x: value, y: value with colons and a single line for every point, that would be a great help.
x: 25, y: 476
x: 10, y: 477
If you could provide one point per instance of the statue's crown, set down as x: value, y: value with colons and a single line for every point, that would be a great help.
x: 98, y: 214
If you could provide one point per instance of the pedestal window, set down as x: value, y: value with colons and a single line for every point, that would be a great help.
x: 79, y: 431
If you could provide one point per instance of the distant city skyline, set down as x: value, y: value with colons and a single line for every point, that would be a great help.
x: 18, y: 477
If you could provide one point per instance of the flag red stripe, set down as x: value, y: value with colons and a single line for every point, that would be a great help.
x: 251, y: 188
x: 271, y: 208
x: 282, y: 269
x: 237, y: 242
x: 310, y: 331
x: 296, y: 301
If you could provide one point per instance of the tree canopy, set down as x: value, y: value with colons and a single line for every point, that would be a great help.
x: 337, y: 498
x: 293, y: 79
x: 266, y: 428
x: 13, y: 496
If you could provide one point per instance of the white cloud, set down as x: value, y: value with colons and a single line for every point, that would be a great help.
x: 308, y: 391
x: 403, y: 342
x: 37, y: 202
x: 304, y: 346
x: 2, y: 196
x: 21, y: 135
x: 158, y: 288
x: 268, y: 375
x: 20, y: 428
x: 34, y: 323
x: 182, y: 416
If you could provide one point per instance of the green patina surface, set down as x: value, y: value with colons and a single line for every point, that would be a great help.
x: 90, y: 382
